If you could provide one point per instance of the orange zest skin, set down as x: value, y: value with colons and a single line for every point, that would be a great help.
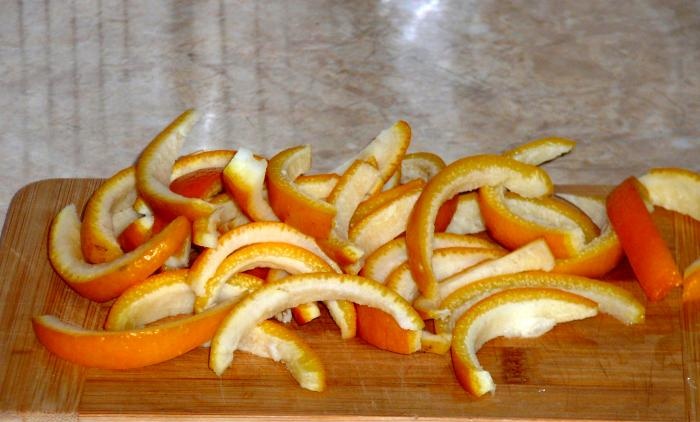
x: 102, y: 282
x: 203, y: 183
x: 291, y: 204
x: 244, y: 179
x: 154, y: 169
x: 646, y: 250
x: 97, y: 237
x: 136, y: 233
x: 131, y: 348
x: 466, y: 174
x: 379, y: 329
x: 512, y: 229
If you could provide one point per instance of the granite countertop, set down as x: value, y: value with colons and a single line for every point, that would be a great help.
x: 85, y: 85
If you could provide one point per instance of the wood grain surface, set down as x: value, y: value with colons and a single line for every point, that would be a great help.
x: 595, y: 369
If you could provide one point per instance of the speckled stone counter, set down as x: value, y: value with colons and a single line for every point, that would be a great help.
x: 85, y: 85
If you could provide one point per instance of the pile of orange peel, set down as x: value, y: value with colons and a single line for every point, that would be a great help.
x: 226, y: 248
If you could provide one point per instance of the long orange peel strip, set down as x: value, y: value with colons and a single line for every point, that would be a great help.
x: 296, y: 289
x: 284, y: 256
x: 647, y: 252
x: 102, y: 282
x: 524, y: 312
x: 168, y: 294
x: 154, y: 170
x: 612, y: 299
x: 466, y: 174
x: 128, y: 348
x: 206, y: 264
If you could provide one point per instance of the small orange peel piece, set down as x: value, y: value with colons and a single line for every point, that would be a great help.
x: 303, y: 288
x: 244, y: 179
x: 514, y: 221
x: 203, y: 183
x: 388, y: 149
x: 290, y: 203
x: 540, y: 151
x: 523, y: 312
x: 602, y: 254
x: 102, y: 282
x: 98, y: 238
x: 466, y: 174
x: 647, y: 252
x: 675, y: 189
x: 272, y: 340
x: 420, y: 165
x: 154, y: 169
x: 318, y: 186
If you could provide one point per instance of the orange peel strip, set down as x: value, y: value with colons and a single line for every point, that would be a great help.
x: 102, y: 282
x: 130, y: 348
x: 466, y: 174
x: 611, y: 299
x: 244, y: 179
x: 540, y: 151
x: 646, y: 250
x: 206, y: 264
x: 388, y: 149
x: 304, y: 288
x: 602, y: 254
x: 514, y: 221
x: 291, y: 204
x: 98, y: 237
x: 154, y: 170
x: 675, y: 189
x: 524, y: 312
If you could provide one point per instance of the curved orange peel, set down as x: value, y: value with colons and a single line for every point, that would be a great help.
x: 523, y: 312
x: 102, y: 282
x: 291, y: 204
x: 244, y: 179
x: 466, y: 174
x: 98, y: 237
x: 294, y: 290
x: 154, y: 169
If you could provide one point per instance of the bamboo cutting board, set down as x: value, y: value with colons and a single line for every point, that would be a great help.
x: 595, y: 369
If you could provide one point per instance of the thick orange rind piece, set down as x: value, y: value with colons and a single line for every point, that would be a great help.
x: 645, y: 248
